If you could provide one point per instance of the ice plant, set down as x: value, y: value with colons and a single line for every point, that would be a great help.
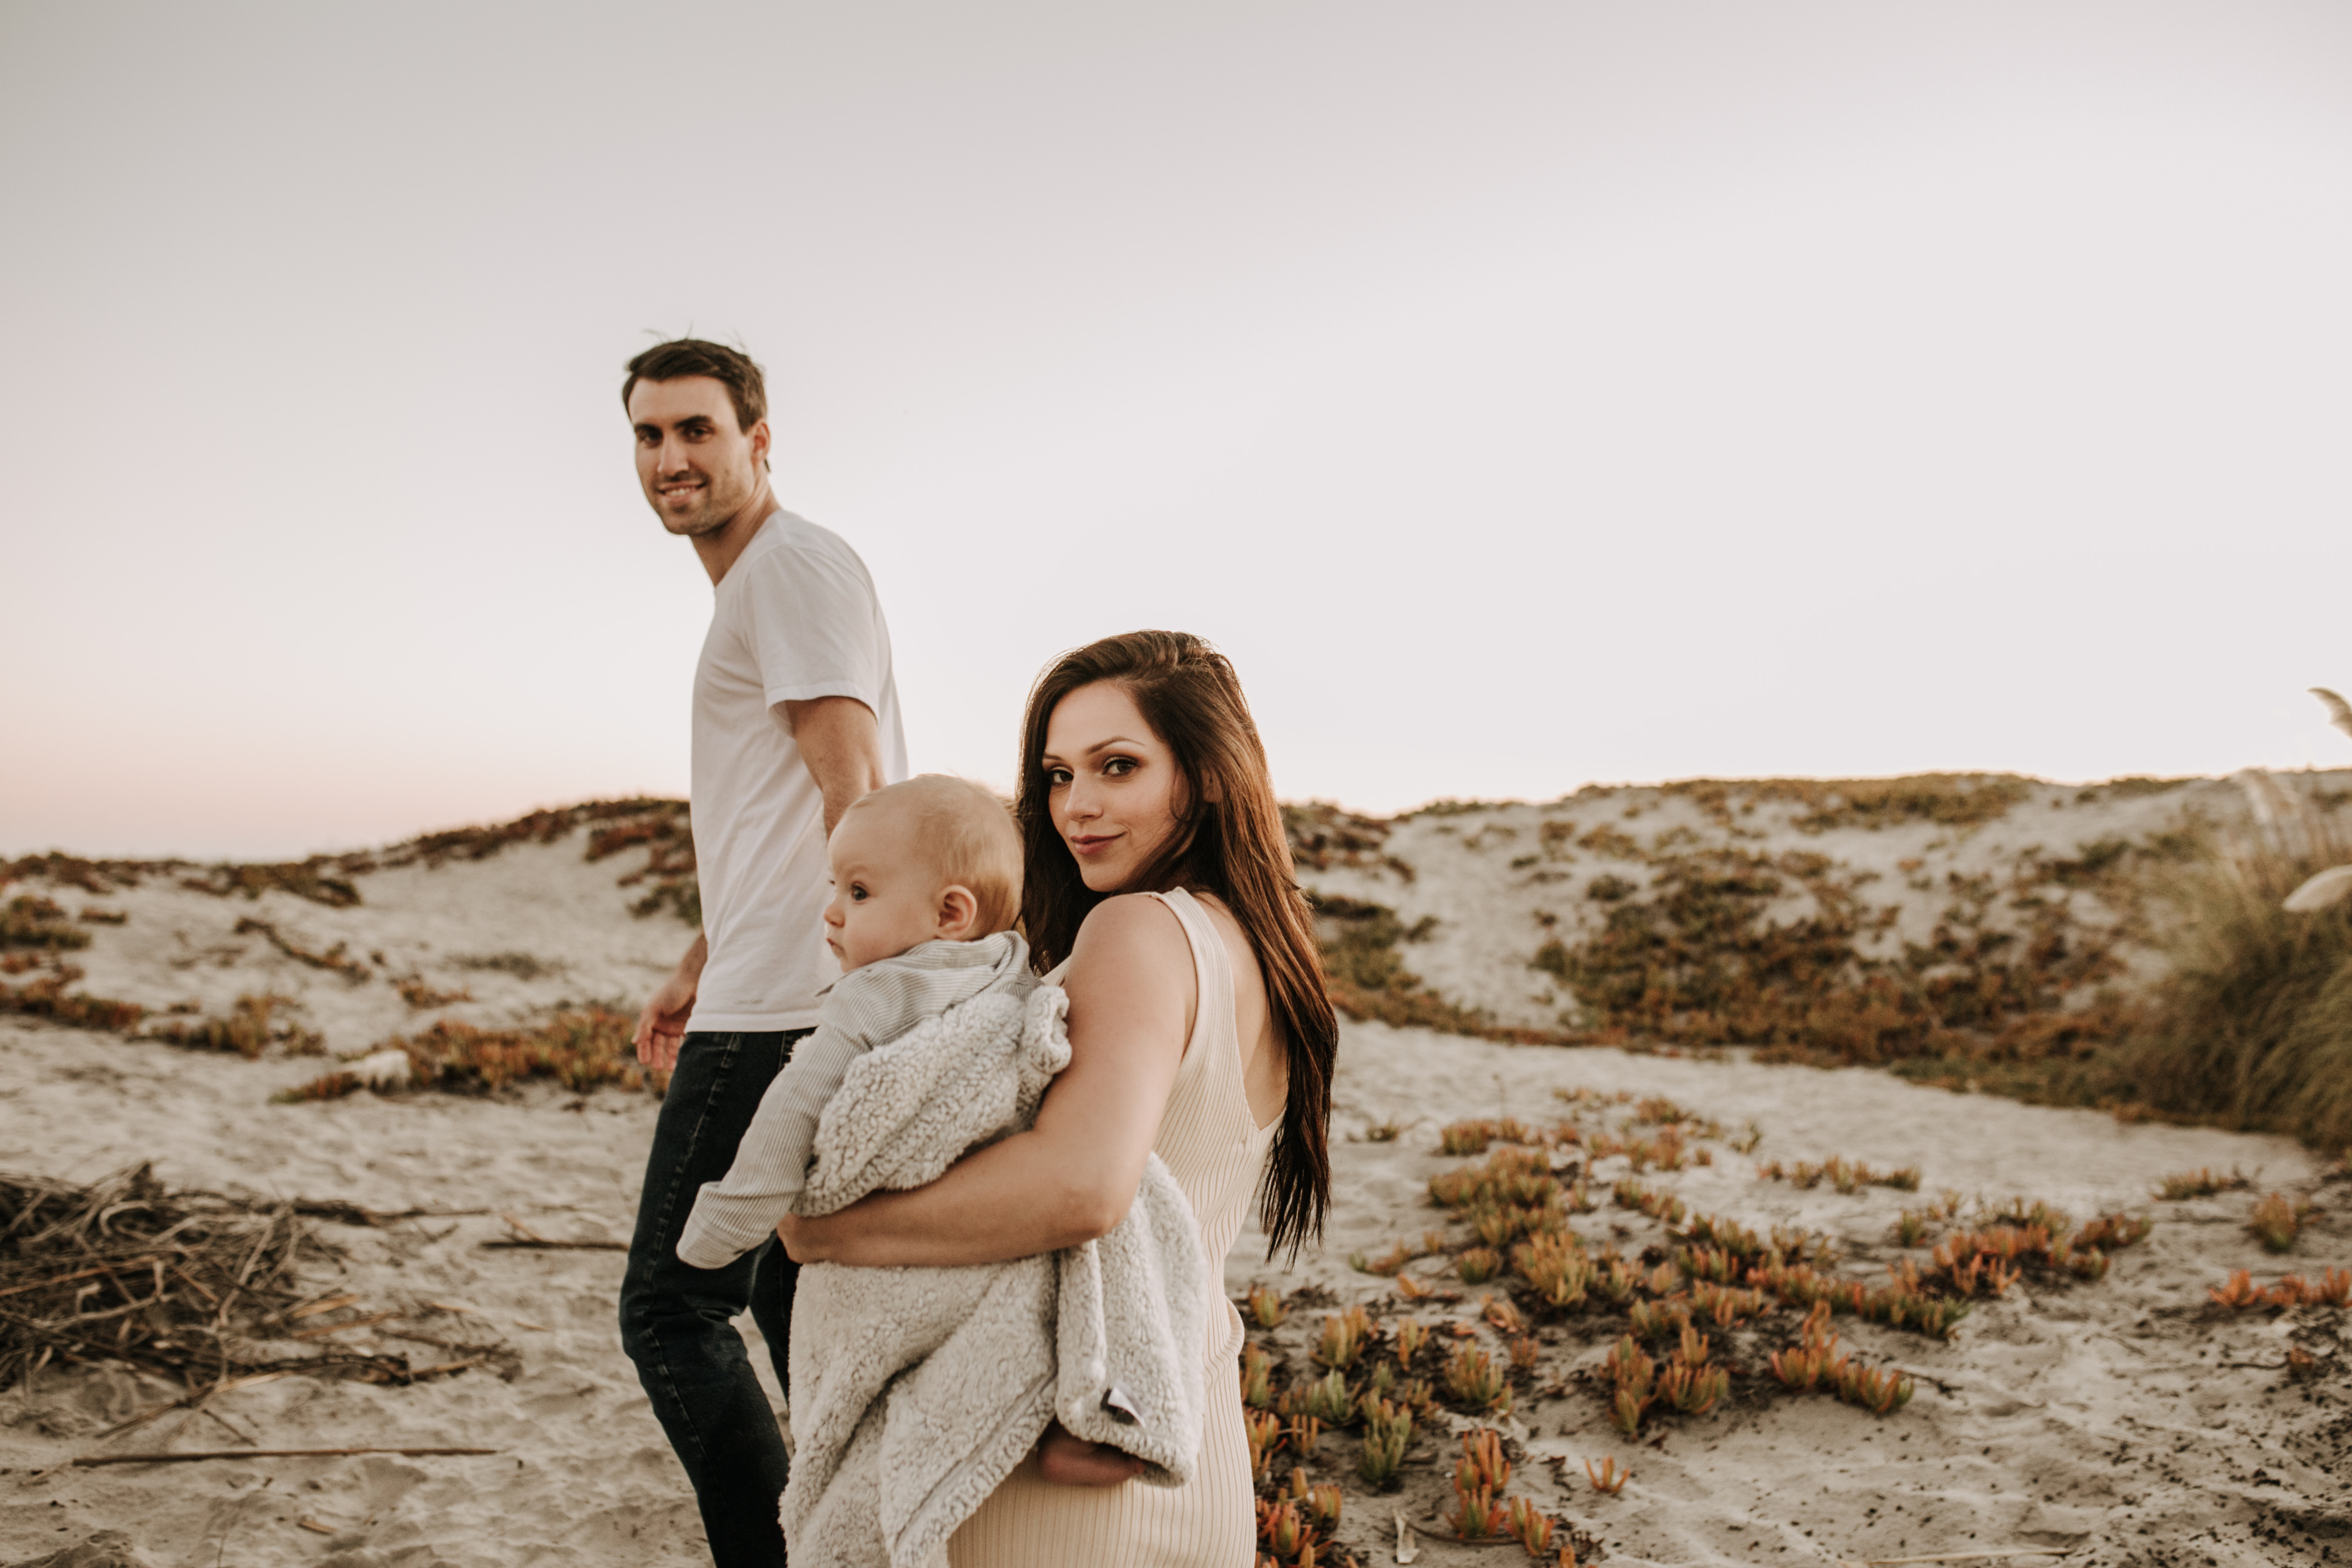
x: 1257, y: 1377
x: 1478, y: 1265
x: 1330, y: 1400
x: 2276, y: 1221
x: 1266, y: 1307
x: 1880, y: 1392
x: 1654, y: 1320
x: 1531, y: 1525
x: 1555, y: 1266
x: 1465, y: 1137
x: 1387, y: 1433
x: 1410, y: 1333
x: 2238, y: 1293
x: 1282, y: 1529
x: 1264, y: 1429
x: 2200, y: 1182
x: 1500, y: 1312
x: 1693, y: 1391
x: 2112, y: 1233
x: 1617, y: 1283
x: 1607, y: 1479
x: 1344, y: 1337
x: 1471, y: 1378
x: 1477, y: 1516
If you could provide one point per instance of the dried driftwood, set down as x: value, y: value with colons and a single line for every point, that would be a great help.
x: 183, y: 1459
x: 186, y: 1284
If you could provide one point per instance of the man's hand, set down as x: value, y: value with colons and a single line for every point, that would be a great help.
x: 661, y: 1028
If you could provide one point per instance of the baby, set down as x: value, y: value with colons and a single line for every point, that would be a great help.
x: 926, y: 888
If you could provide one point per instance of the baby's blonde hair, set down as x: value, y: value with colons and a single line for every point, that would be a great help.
x: 967, y: 834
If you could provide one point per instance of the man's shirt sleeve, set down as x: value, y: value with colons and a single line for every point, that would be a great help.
x: 813, y: 623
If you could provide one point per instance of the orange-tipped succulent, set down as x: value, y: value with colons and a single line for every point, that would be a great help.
x: 1607, y: 1479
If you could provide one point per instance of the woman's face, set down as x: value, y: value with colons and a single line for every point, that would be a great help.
x: 1112, y: 784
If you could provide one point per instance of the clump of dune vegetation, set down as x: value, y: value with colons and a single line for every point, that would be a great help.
x: 579, y: 1049
x: 2252, y: 1028
x: 1367, y: 977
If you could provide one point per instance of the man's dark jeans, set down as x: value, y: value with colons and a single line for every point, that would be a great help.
x: 676, y: 1319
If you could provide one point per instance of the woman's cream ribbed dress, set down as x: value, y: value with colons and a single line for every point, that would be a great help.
x: 1215, y: 1153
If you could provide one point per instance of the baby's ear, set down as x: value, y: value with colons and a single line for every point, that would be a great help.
x: 958, y: 913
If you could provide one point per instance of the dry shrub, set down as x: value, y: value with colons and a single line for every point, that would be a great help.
x: 89, y: 876
x: 45, y: 998
x: 417, y: 991
x: 251, y: 1028
x: 1367, y: 979
x: 618, y: 825
x: 1698, y: 960
x: 303, y: 878
x: 1322, y: 836
x: 32, y: 921
x: 2252, y: 1028
x: 335, y: 959
x: 580, y: 1050
x: 1950, y: 800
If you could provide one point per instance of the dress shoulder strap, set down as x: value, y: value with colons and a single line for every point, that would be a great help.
x: 1213, y: 1019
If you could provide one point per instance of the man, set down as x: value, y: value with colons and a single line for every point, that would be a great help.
x: 796, y: 717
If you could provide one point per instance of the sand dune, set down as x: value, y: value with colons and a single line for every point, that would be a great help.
x: 2128, y: 1421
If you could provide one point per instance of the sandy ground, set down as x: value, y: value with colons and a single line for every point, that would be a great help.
x: 2128, y: 1421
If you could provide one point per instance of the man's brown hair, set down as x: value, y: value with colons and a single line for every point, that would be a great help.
x: 682, y: 357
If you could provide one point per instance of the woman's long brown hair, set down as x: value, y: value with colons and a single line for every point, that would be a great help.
x: 1228, y: 841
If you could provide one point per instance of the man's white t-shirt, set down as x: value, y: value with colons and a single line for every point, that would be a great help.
x: 796, y: 618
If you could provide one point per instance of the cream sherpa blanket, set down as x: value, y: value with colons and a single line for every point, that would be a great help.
x: 915, y: 1391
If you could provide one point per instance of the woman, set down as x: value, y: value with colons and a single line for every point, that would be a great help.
x: 1158, y: 887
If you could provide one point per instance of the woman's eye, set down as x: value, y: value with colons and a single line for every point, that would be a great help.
x: 1057, y: 777
x: 1120, y: 767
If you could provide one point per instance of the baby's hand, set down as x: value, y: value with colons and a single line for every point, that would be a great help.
x: 1069, y: 1461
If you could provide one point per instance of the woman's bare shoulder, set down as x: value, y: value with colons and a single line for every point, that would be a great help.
x: 1134, y: 927
x: 1131, y: 952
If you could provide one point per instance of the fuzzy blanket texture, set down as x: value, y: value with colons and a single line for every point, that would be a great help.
x: 915, y: 1391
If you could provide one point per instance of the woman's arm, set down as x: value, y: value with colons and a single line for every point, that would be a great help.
x: 1071, y: 1177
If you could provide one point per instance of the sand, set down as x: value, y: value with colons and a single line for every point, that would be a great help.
x: 2128, y: 1421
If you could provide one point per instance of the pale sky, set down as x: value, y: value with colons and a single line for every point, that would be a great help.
x: 1522, y: 395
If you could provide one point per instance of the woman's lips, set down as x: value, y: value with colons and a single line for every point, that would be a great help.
x: 1092, y: 845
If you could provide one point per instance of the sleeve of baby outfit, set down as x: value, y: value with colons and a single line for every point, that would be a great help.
x: 737, y: 1213
x: 813, y: 626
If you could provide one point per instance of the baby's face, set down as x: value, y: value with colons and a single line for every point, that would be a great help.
x: 885, y: 893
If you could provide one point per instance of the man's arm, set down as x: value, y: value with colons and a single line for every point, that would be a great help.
x: 840, y: 747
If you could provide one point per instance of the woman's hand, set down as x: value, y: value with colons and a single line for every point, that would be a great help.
x: 802, y: 1238
x: 1070, y: 1461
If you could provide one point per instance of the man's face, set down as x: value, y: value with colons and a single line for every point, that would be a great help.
x: 697, y: 466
